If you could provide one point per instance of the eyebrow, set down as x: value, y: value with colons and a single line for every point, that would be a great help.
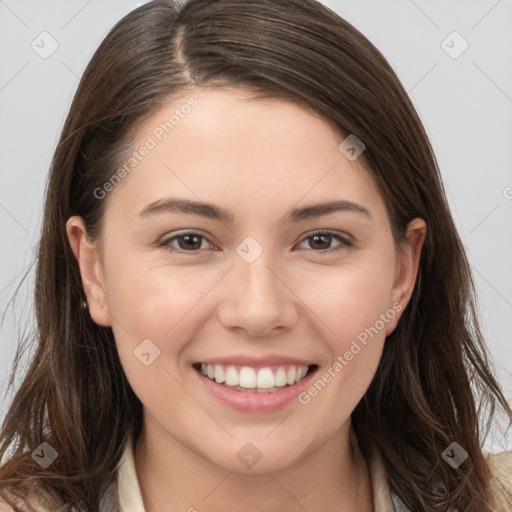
x: 214, y: 212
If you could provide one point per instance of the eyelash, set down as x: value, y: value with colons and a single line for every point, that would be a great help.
x: 344, y: 242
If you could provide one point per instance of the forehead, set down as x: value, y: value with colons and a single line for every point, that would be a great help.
x: 218, y: 145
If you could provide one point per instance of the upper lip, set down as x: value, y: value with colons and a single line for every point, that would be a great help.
x: 256, y: 362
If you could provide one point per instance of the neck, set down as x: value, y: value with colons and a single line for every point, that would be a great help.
x: 334, y: 477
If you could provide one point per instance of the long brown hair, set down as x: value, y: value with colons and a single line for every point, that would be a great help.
x: 434, y: 378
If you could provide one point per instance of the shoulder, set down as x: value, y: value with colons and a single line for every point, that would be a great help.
x: 19, y: 507
x: 4, y: 507
x: 501, y: 468
x: 35, y: 503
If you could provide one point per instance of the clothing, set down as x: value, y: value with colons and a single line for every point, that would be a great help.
x: 124, y: 494
x: 127, y: 490
x: 127, y: 497
x: 130, y: 499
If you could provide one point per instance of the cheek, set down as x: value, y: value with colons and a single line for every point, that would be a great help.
x: 349, y: 298
x: 156, y: 313
x: 353, y: 311
x: 159, y: 303
x: 163, y: 302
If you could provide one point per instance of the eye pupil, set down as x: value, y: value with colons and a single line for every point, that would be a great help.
x: 191, y: 238
x: 315, y: 239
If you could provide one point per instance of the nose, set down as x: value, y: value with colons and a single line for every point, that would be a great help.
x: 257, y: 298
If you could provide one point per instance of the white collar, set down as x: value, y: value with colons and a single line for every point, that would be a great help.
x: 130, y: 497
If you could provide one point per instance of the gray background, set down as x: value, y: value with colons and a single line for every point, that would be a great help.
x: 464, y: 101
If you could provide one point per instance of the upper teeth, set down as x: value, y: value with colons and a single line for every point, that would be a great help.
x: 250, y: 378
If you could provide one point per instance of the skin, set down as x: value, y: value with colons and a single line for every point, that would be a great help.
x: 265, y: 157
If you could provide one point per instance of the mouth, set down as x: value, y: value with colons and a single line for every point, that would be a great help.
x: 248, y: 379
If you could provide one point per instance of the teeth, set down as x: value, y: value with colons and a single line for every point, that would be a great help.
x: 219, y: 375
x: 280, y: 378
x: 232, y: 378
x: 247, y: 378
x: 265, y: 378
x: 250, y: 378
x: 291, y: 375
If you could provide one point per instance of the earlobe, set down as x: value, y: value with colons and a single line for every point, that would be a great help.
x: 408, y: 260
x: 91, y: 270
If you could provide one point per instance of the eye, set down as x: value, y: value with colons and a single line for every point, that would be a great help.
x: 320, y: 239
x: 191, y: 242
x: 188, y: 242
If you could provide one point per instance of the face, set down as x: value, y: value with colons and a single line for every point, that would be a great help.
x: 255, y: 286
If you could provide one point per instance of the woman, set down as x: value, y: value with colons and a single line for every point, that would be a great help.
x: 197, y: 349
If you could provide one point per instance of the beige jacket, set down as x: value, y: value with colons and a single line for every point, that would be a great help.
x: 125, y: 494
x: 130, y: 499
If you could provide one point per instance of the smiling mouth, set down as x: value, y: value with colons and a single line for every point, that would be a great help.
x: 255, y: 380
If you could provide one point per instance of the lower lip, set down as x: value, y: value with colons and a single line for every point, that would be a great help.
x: 246, y: 401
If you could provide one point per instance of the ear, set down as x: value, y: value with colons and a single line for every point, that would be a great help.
x: 406, y: 269
x: 91, y: 270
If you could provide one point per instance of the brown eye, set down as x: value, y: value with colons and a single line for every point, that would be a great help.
x: 186, y: 242
x: 321, y: 241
